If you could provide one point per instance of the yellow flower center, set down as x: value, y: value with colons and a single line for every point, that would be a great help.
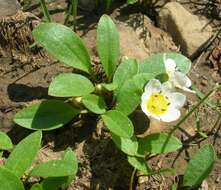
x: 158, y: 104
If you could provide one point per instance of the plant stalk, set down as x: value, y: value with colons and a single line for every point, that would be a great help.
x: 45, y: 10
x: 191, y: 111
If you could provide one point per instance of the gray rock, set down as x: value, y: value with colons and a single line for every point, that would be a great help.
x: 8, y: 7
x: 140, y: 40
x: 186, y: 29
x: 130, y: 44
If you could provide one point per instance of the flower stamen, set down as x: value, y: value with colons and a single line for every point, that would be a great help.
x: 157, y: 104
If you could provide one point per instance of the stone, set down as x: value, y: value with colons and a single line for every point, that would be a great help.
x: 130, y: 44
x: 9, y: 7
x: 186, y: 29
x: 155, y: 39
x: 140, y: 40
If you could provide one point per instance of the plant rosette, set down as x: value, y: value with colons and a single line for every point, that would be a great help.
x: 160, y: 102
x: 177, y: 78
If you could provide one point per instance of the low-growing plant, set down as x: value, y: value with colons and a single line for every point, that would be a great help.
x: 126, y: 86
x: 54, y: 174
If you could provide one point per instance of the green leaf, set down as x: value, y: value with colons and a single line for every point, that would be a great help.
x: 200, y: 166
x: 127, y: 145
x: 53, y: 183
x: 139, y: 164
x: 174, y: 187
x: 108, y: 45
x: 37, y: 186
x: 68, y: 156
x: 46, y: 115
x: 57, y: 168
x: 131, y: 1
x: 5, y: 142
x: 129, y: 97
x: 158, y: 143
x: 24, y: 153
x: 140, y: 80
x: 110, y: 86
x: 69, y: 84
x: 118, y: 123
x: 126, y: 70
x: 62, y: 43
x: 94, y: 103
x: 155, y: 63
x: 183, y: 63
x: 9, y: 181
x: 52, y: 168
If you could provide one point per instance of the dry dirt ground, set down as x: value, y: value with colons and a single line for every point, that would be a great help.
x: 26, y: 73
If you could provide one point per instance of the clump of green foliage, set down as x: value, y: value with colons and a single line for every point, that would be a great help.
x: 113, y: 100
x: 53, y: 174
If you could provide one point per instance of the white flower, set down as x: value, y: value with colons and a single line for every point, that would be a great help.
x: 177, y: 78
x: 160, y: 102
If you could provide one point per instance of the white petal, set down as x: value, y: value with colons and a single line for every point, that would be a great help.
x: 153, y: 85
x: 171, y: 115
x: 170, y: 65
x: 177, y: 100
x: 181, y: 80
x: 187, y: 90
x: 145, y: 96
x: 167, y: 87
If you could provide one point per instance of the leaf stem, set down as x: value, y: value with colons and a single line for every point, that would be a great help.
x: 132, y: 179
x: 74, y: 5
x: 72, y: 11
x: 191, y: 111
x: 45, y: 10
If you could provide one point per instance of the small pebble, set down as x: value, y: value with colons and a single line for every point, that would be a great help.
x: 204, y: 82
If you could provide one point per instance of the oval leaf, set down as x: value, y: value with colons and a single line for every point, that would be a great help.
x: 53, y: 183
x: 46, y: 115
x: 37, y: 186
x: 62, y: 43
x: 139, y: 164
x: 94, y: 103
x: 182, y: 62
x: 24, y: 153
x: 155, y: 63
x: 118, y: 123
x: 127, y: 145
x: 129, y: 96
x: 5, y: 142
x: 158, y: 143
x: 200, y: 166
x: 57, y: 168
x: 69, y: 84
x: 126, y: 70
x: 108, y: 45
x: 110, y: 86
x: 70, y: 157
x: 53, y: 168
x: 9, y: 181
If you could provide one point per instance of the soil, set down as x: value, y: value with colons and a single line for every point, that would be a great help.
x: 25, y: 74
